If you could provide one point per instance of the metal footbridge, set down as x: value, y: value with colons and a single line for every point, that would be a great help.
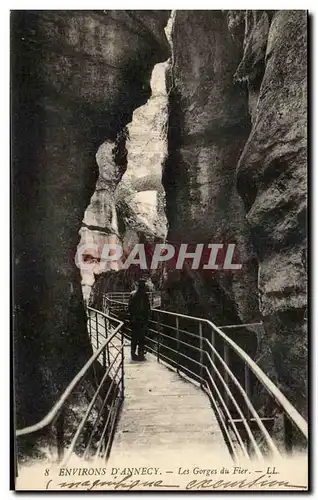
x: 197, y: 392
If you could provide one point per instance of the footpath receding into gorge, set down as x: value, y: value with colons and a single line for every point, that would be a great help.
x: 164, y: 414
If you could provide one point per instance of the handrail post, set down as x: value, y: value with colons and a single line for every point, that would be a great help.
x: 158, y: 339
x: 97, y: 340
x: 213, y: 345
x: 104, y: 351
x: 60, y: 436
x: 106, y: 334
x: 178, y: 343
x: 201, y: 351
x: 247, y: 386
x: 122, y: 365
x: 288, y: 434
x: 89, y: 325
x: 212, y: 356
x: 226, y: 375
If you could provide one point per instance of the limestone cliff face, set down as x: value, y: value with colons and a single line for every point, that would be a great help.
x: 208, y: 127
x: 100, y: 224
x: 127, y: 206
x: 77, y: 77
x: 271, y: 177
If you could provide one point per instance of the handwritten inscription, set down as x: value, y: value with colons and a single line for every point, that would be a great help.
x: 263, y: 480
x: 123, y: 483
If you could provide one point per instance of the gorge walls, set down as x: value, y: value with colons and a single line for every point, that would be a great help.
x: 77, y: 77
x: 236, y: 172
x: 208, y: 126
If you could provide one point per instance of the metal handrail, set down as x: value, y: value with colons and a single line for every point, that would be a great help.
x: 154, y: 296
x: 112, y: 373
x: 218, y: 376
x: 299, y: 421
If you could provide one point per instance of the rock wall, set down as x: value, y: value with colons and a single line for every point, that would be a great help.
x: 236, y: 172
x: 208, y: 126
x: 272, y: 179
x: 77, y: 77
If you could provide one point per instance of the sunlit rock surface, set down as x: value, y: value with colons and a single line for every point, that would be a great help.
x: 140, y: 194
x: 236, y: 171
x: 127, y: 206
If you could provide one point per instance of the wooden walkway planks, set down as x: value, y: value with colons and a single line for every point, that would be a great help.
x: 164, y: 413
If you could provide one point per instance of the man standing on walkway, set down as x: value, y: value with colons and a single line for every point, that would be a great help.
x: 139, y: 313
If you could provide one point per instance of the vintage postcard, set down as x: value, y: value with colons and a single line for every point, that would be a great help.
x: 159, y: 227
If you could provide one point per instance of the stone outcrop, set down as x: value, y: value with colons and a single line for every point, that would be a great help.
x: 271, y: 177
x: 100, y: 224
x: 208, y: 127
x: 77, y: 77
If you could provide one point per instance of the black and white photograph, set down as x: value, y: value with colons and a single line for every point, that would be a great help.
x: 159, y: 186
